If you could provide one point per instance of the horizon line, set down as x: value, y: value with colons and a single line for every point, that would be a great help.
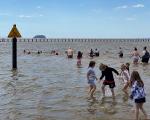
x: 79, y: 38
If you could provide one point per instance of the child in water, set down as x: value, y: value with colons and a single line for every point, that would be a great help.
x: 79, y: 57
x: 125, y: 76
x: 107, y: 72
x: 120, y: 53
x: 138, y: 93
x: 91, y: 77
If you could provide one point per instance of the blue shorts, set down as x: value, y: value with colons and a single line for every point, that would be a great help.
x: 91, y: 82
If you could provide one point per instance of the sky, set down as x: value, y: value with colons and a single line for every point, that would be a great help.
x: 76, y: 18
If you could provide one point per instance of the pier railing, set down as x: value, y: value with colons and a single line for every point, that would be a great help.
x: 77, y: 40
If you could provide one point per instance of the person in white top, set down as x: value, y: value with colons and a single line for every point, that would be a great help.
x: 135, y: 55
x: 144, y: 50
x: 125, y: 76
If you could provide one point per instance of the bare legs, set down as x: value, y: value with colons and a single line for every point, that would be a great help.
x: 125, y: 88
x: 139, y: 106
x: 92, y: 90
x: 103, y: 90
x: 112, y: 91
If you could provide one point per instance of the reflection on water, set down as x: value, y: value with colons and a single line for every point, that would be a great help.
x: 53, y: 88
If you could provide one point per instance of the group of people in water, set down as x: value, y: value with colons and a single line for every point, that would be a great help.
x: 94, y: 53
x: 70, y: 53
x: 27, y: 51
x: 136, y: 55
x: 131, y: 81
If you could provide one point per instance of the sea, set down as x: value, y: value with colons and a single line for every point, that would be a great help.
x: 53, y: 87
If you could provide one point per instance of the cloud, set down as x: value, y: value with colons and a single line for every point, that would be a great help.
x: 122, y: 7
x: 4, y: 14
x: 25, y: 16
x: 96, y: 11
x: 133, y: 6
x: 138, y: 6
x: 130, y: 19
x: 41, y: 15
x: 38, y: 7
x: 30, y: 16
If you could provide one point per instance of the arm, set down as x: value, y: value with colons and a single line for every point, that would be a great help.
x: 102, y: 75
x: 88, y: 73
x: 115, y: 71
x: 120, y: 72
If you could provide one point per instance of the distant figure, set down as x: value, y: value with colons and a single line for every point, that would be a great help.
x: 53, y: 52
x: 24, y: 51
x: 56, y: 53
x: 91, y: 77
x: 135, y: 55
x: 79, y: 57
x: 146, y: 55
x: 96, y: 52
x: 70, y: 53
x: 120, y: 52
x: 138, y: 94
x: 38, y: 52
x: 28, y: 52
x: 91, y: 54
x: 107, y: 72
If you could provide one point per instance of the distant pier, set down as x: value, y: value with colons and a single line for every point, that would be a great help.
x: 78, y: 40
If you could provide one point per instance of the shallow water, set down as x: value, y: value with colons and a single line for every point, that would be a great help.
x: 49, y: 87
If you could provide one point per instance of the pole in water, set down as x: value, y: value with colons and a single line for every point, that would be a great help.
x: 14, y: 53
x: 14, y: 33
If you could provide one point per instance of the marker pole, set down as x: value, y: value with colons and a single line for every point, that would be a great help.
x: 14, y: 53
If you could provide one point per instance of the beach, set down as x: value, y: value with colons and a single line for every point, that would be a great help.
x: 50, y: 87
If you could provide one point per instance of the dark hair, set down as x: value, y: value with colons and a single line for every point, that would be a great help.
x: 128, y: 64
x: 136, y: 77
x: 92, y: 63
x: 135, y: 49
x: 145, y: 48
x: 79, y: 56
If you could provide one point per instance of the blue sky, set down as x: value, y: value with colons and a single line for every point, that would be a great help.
x: 76, y: 18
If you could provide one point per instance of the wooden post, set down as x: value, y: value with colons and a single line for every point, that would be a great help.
x: 14, y: 33
x: 14, y: 53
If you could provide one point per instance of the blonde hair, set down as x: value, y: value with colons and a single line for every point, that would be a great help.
x: 123, y: 66
x: 102, y: 66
